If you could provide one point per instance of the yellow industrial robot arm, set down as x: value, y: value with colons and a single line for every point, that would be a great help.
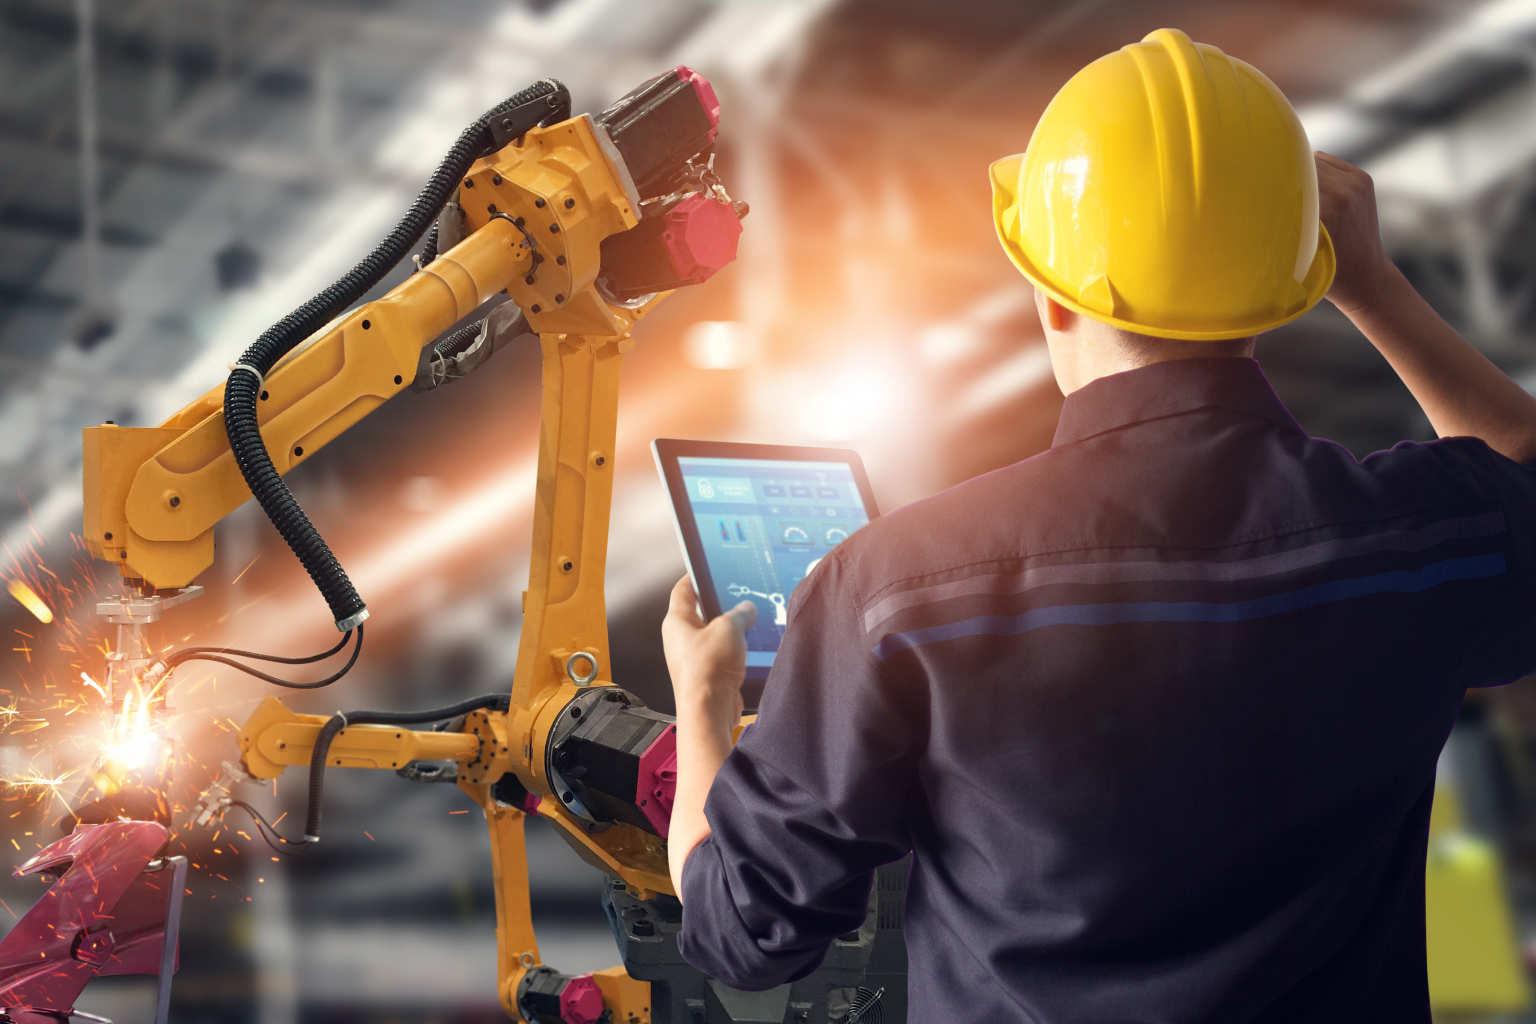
x: 154, y: 494
x: 585, y: 224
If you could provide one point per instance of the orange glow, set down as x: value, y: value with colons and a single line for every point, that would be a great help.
x: 30, y: 600
x: 718, y: 345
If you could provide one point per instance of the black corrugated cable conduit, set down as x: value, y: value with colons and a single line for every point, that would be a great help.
x: 343, y: 719
x: 456, y: 341
x: 544, y: 102
x: 429, y: 247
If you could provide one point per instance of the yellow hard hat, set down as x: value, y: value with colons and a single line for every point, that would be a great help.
x: 1169, y: 190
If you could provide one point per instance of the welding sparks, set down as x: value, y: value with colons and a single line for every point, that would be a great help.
x: 29, y: 599
x: 13, y: 720
x: 96, y: 748
x: 53, y: 784
x: 93, y: 684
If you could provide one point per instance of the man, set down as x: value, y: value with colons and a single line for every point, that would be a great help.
x: 1157, y: 710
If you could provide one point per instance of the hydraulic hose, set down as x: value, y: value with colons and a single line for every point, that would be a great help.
x: 342, y: 719
x: 544, y: 102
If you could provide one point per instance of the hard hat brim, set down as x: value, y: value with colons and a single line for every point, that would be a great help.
x: 1004, y: 175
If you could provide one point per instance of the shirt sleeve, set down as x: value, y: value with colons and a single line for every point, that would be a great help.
x: 1506, y: 648
x: 811, y: 800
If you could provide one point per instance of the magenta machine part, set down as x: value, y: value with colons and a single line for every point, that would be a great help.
x: 689, y: 224
x: 114, y: 909
x: 656, y: 786
x: 546, y: 995
x: 581, y: 1002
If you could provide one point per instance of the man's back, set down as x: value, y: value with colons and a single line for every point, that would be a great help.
x: 1158, y: 711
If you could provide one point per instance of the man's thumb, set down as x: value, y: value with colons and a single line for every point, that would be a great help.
x: 744, y: 615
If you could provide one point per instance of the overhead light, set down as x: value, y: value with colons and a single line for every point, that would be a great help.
x: 718, y: 345
x: 948, y: 342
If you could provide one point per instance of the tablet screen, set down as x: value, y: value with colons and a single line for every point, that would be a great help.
x: 762, y: 525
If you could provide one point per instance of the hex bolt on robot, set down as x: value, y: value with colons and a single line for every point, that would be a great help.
x: 537, y: 225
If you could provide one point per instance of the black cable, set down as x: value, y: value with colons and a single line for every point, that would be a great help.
x: 339, y: 721
x: 456, y: 341
x: 191, y: 653
x: 429, y: 247
x: 268, y: 832
x: 290, y: 684
x: 543, y: 102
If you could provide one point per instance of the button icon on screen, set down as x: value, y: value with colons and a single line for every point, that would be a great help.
x: 793, y: 533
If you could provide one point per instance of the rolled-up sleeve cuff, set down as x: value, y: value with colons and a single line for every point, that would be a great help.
x: 714, y: 938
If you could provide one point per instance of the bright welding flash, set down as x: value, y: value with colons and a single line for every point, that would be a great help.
x: 136, y: 751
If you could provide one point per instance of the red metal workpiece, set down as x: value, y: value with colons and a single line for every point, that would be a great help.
x: 103, y: 915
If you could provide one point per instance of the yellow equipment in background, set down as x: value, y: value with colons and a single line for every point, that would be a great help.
x: 1475, y: 965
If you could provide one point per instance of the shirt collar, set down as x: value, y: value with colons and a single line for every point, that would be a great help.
x: 1167, y: 389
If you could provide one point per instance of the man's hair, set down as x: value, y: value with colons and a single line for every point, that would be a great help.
x: 1145, y: 348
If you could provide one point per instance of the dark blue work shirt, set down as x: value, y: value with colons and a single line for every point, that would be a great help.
x: 1158, y: 711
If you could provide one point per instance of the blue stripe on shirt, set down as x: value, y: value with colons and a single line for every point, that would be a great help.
x: 1402, y: 581
x: 1128, y: 570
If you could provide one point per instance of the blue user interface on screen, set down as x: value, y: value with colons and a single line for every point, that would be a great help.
x: 764, y: 525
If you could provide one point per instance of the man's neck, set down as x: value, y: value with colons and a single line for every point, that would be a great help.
x: 1111, y: 352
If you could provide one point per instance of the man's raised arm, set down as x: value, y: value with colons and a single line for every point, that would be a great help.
x: 1461, y: 392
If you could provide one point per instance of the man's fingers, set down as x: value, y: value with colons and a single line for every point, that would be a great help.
x: 1334, y: 161
x: 684, y: 604
x: 1335, y: 169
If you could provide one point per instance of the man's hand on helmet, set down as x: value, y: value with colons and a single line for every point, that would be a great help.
x: 1347, y: 202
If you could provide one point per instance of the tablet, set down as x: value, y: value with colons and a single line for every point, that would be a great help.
x: 754, y: 519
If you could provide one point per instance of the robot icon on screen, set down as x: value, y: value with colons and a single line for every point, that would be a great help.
x: 780, y: 606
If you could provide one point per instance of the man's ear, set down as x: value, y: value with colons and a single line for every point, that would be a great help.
x: 1057, y: 316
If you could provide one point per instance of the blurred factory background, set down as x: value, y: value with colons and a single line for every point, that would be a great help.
x: 177, y: 174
